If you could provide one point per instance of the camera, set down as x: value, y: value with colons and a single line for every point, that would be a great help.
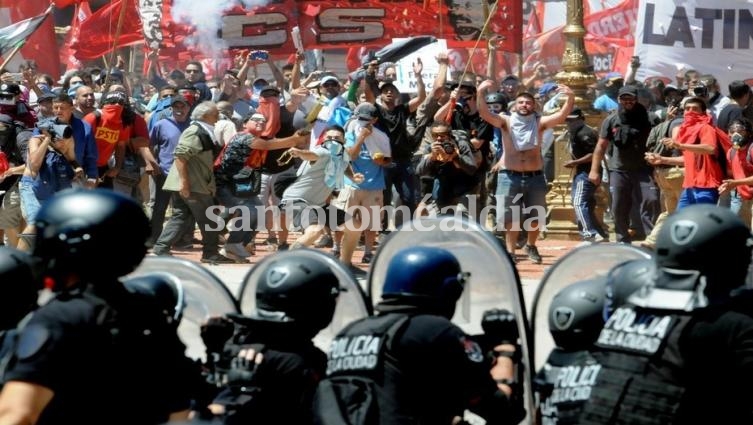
x: 449, y: 147
x: 700, y: 91
x: 56, y: 131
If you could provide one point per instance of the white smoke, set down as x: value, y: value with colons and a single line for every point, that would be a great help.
x: 206, y: 18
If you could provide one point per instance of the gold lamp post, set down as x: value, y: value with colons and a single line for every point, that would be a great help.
x: 576, y: 75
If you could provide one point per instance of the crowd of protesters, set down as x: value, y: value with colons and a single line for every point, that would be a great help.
x: 195, y: 147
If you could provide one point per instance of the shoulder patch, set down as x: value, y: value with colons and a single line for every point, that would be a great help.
x: 472, y: 350
x: 32, y: 339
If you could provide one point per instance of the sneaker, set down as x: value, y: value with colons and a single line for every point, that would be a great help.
x: 235, y: 258
x: 336, y: 253
x: 161, y: 253
x: 367, y: 257
x: 271, y: 241
x: 324, y: 242
x: 182, y: 246
x: 533, y: 254
x: 356, y: 271
x: 283, y: 247
x: 236, y: 249
x: 217, y: 259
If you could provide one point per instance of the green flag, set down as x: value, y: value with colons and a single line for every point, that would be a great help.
x: 16, y: 35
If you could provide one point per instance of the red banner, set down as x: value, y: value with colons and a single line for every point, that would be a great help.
x: 41, y: 46
x: 609, y: 42
x: 324, y: 25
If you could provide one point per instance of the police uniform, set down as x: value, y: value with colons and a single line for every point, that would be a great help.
x: 108, y: 355
x: 663, y: 367
x: 282, y: 387
x: 564, y: 384
x: 430, y: 373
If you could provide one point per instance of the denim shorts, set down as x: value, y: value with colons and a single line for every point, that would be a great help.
x: 520, y: 196
x: 29, y: 203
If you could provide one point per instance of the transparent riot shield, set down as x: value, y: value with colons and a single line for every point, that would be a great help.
x: 494, y: 281
x: 204, y: 296
x: 583, y: 263
x: 351, y: 304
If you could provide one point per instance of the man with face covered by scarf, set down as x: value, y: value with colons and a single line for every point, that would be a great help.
x: 623, y: 135
x: 701, y: 151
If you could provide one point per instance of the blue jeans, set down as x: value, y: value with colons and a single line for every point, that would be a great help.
x: 584, y: 202
x: 519, y: 197
x: 402, y: 175
x: 29, y: 203
x: 242, y: 233
x: 693, y: 195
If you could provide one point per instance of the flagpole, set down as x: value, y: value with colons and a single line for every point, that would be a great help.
x: 118, y: 29
x: 20, y: 45
x: 10, y: 55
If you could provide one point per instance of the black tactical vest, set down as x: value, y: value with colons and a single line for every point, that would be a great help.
x: 564, y: 384
x: 363, y: 378
x: 641, y: 378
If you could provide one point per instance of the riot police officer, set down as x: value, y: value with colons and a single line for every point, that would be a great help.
x: 19, y: 297
x: 410, y: 364
x: 80, y: 356
x: 679, y: 351
x: 565, y: 381
x: 272, y: 365
x: 19, y: 286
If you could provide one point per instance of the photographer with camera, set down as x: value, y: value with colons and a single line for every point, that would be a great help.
x: 51, y: 166
x: 450, y: 161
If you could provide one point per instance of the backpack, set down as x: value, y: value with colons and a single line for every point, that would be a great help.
x: 355, y: 399
x: 241, y: 167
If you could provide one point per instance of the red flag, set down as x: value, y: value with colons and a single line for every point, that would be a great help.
x: 68, y: 55
x: 101, y: 27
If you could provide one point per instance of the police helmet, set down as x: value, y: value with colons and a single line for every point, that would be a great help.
x: 18, y: 284
x: 299, y: 290
x: 10, y: 89
x: 626, y: 278
x: 95, y: 234
x: 496, y: 98
x: 425, y: 277
x: 164, y: 288
x: 708, y: 239
x: 575, y: 314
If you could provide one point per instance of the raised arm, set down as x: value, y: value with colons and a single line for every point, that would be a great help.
x: 559, y: 117
x: 418, y: 69
x: 483, y: 109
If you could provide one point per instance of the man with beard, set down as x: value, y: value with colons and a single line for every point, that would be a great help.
x: 623, y: 135
x: 84, y: 102
x: 521, y: 181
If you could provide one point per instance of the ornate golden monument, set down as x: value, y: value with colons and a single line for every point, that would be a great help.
x: 576, y: 75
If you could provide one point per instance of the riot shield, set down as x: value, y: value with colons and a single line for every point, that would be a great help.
x: 351, y: 303
x: 587, y: 262
x: 204, y: 296
x: 493, y: 283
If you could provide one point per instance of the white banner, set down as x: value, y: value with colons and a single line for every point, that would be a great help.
x: 406, y: 81
x: 711, y: 36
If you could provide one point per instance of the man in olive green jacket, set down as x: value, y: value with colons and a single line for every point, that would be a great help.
x: 191, y: 178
